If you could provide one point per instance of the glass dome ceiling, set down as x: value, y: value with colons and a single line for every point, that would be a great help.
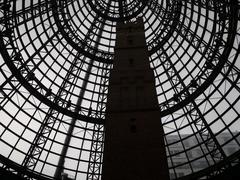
x: 56, y: 58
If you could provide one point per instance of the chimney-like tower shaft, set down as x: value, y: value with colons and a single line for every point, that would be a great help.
x: 134, y: 147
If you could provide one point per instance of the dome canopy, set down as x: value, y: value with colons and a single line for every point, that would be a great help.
x: 56, y: 60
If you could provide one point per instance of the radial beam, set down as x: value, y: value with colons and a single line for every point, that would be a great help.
x: 60, y: 166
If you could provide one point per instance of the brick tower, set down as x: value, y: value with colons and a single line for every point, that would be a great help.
x: 134, y: 146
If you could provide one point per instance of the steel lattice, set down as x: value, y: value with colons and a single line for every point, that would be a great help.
x: 56, y: 60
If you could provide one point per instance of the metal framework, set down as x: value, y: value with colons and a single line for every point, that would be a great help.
x: 55, y: 63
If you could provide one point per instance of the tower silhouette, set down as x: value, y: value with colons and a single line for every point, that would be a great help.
x: 119, y: 89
